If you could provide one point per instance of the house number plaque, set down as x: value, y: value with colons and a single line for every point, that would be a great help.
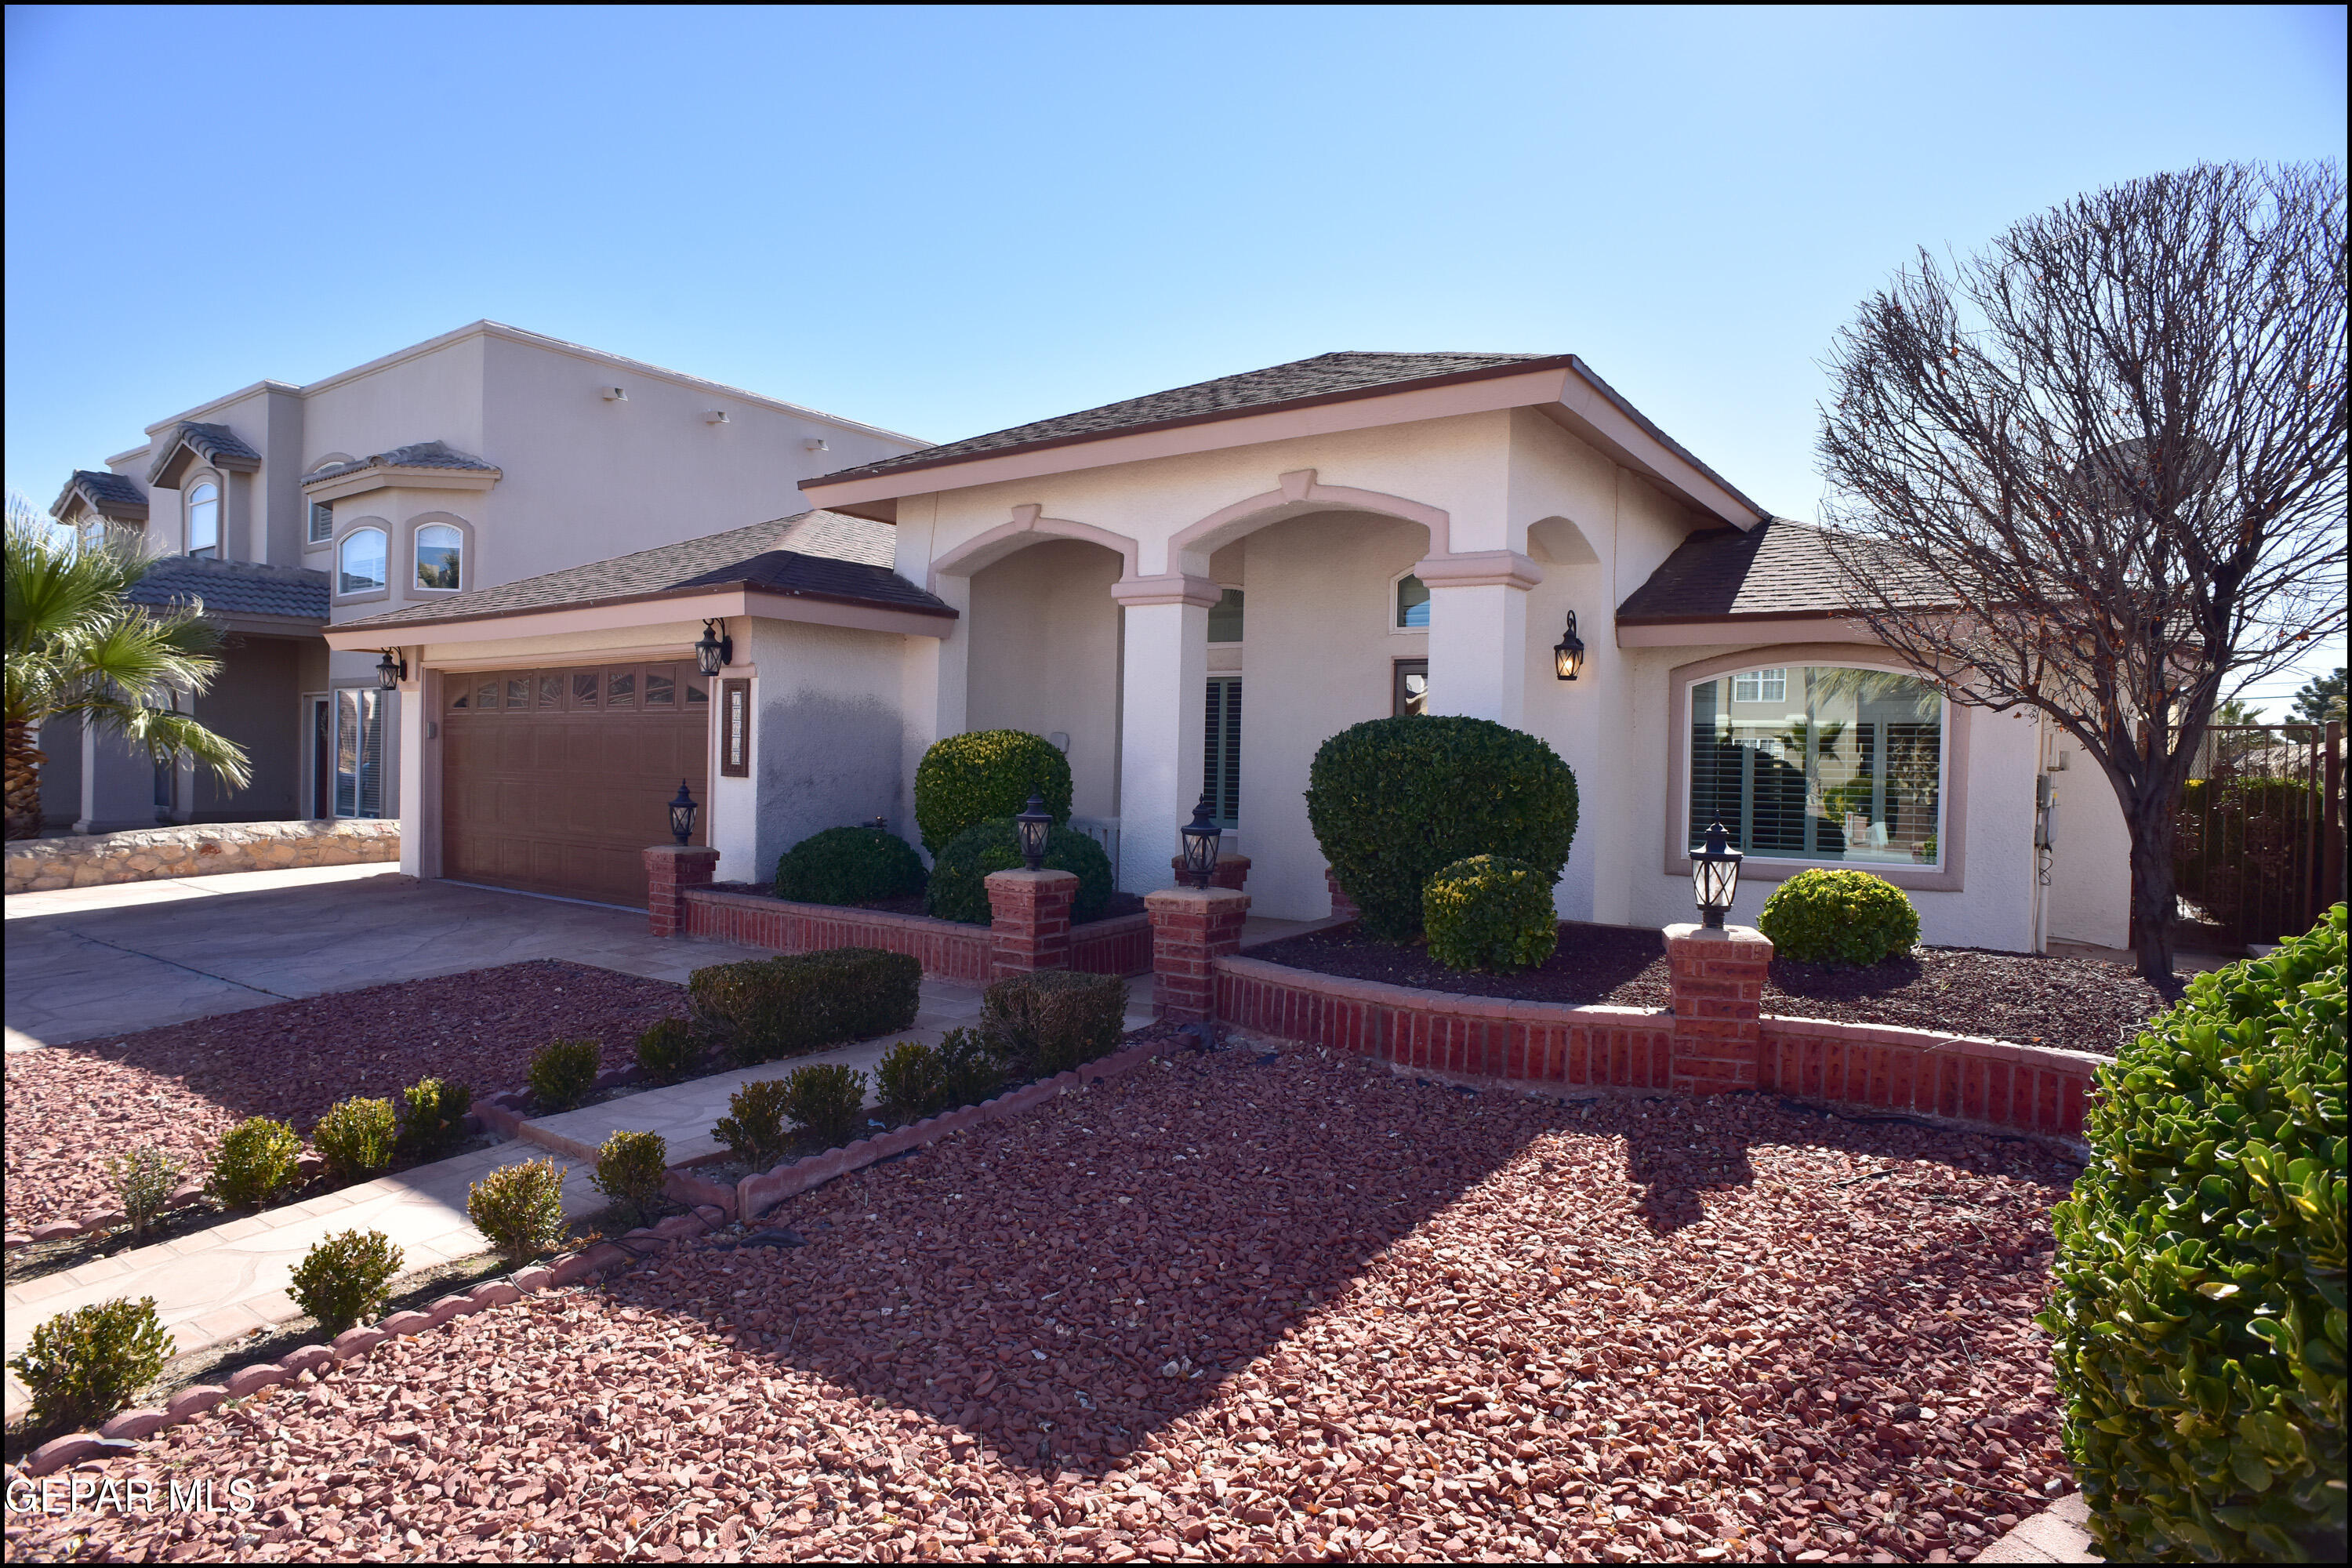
x: 735, y: 739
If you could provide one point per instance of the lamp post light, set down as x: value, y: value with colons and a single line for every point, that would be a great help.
x: 1200, y: 835
x: 1715, y: 876
x: 1567, y: 654
x: 1032, y: 824
x: 681, y: 813
x: 390, y: 671
x: 715, y: 652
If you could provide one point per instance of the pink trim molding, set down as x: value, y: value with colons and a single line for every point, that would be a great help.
x: 1300, y: 491
x: 1027, y: 527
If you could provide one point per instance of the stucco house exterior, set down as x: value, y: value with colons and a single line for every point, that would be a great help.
x: 1194, y: 589
x: 483, y: 455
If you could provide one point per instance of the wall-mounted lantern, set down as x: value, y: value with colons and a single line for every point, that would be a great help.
x: 715, y: 652
x: 391, y: 670
x: 1567, y: 654
x: 1031, y: 825
x: 681, y: 813
x: 1200, y: 835
x: 1715, y: 876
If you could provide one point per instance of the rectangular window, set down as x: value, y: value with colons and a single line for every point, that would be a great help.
x: 661, y: 687
x: 322, y: 521
x: 621, y: 689
x: 359, y: 752
x: 518, y: 690
x: 1221, y: 769
x: 1409, y: 687
x: 1855, y: 774
x: 583, y: 689
x: 551, y: 692
x: 735, y: 736
x: 1226, y: 617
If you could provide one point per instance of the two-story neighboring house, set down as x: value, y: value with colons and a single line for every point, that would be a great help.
x: 476, y: 459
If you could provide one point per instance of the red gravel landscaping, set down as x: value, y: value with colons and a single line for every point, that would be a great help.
x: 181, y: 1087
x: 1227, y: 1309
x: 2075, y: 1004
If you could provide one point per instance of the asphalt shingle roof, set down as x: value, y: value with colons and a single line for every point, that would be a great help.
x: 108, y: 494
x: 1331, y: 376
x: 1781, y: 568
x: 817, y: 556
x: 417, y: 455
x: 234, y: 587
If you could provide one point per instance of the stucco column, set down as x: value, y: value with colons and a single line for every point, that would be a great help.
x: 118, y: 783
x: 1717, y: 982
x: 419, y: 787
x: 1478, y: 633
x: 1162, y: 704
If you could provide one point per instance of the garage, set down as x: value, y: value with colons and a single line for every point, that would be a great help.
x: 555, y: 781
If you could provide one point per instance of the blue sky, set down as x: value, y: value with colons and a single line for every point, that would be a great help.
x: 950, y: 221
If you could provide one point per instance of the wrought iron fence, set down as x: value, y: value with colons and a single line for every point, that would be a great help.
x: 2259, y: 835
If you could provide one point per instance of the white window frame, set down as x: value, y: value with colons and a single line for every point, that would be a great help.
x: 359, y: 697
x: 321, y: 511
x: 1770, y: 683
x: 210, y: 550
x: 381, y: 588
x: 1389, y: 605
x: 417, y: 556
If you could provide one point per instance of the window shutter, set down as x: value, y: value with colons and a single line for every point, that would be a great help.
x: 1221, y: 750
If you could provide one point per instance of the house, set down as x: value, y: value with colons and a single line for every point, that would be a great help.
x: 475, y: 459
x: 1193, y: 590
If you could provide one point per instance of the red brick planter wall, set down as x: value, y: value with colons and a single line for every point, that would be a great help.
x: 947, y: 948
x: 2032, y: 1089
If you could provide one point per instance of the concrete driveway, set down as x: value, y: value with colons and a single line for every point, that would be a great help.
x: 84, y: 963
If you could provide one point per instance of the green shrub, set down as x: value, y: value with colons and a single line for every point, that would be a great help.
x: 1490, y: 912
x: 432, y: 1115
x: 82, y: 1366
x: 144, y: 1181
x: 562, y: 1073
x: 959, y: 886
x: 254, y: 1164
x: 984, y: 774
x: 2197, y: 1309
x: 849, y: 865
x: 971, y: 1068
x: 669, y: 1050
x: 356, y: 1138
x: 1052, y: 1020
x: 1393, y: 800
x: 764, y: 1009
x: 631, y: 1168
x: 827, y: 1102
x: 907, y: 1079
x: 754, y: 1128
x: 518, y: 1209
x: 1838, y: 917
x: 341, y: 1280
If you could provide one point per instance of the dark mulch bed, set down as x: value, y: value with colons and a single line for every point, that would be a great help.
x: 181, y: 1087
x: 912, y: 903
x: 2077, y: 1004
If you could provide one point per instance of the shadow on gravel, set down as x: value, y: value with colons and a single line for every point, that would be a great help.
x: 1063, y: 1283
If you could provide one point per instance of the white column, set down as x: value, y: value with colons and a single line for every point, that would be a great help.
x: 1478, y: 633
x: 934, y: 683
x: 420, y: 801
x: 1162, y: 703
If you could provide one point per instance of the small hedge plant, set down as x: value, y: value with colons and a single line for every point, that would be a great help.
x: 2198, y: 1308
x: 826, y: 1102
x: 1490, y: 912
x: 1053, y: 1020
x: 849, y: 865
x: 341, y: 1280
x: 907, y: 1080
x: 518, y: 1209
x: 764, y: 1009
x: 959, y: 885
x: 669, y: 1050
x: 1393, y: 800
x: 631, y: 1169
x: 356, y: 1138
x: 432, y: 1115
x: 144, y: 1181
x: 563, y: 1073
x: 254, y: 1164
x: 985, y: 774
x: 754, y: 1128
x: 1838, y: 917
x: 916, y: 1080
x: 82, y: 1366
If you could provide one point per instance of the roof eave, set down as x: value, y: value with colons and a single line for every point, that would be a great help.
x: 699, y: 589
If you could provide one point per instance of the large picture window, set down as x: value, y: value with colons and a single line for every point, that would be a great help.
x: 1818, y: 763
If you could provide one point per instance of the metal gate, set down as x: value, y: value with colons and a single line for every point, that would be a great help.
x: 2259, y: 835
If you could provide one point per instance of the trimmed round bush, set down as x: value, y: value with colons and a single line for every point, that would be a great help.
x: 564, y: 1072
x: 82, y: 1366
x: 342, y: 1282
x: 2197, y: 1310
x: 1490, y: 912
x: 669, y: 1050
x: 254, y: 1164
x: 826, y: 1102
x: 968, y: 779
x: 433, y: 1115
x: 518, y: 1209
x: 631, y: 1170
x: 355, y: 1138
x: 1838, y: 917
x: 959, y: 886
x: 1393, y: 800
x: 849, y: 865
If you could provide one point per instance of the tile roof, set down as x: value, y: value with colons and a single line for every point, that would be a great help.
x: 234, y: 587
x: 817, y: 556
x: 215, y: 444
x: 417, y: 455
x: 110, y: 495
x: 1323, y: 377
x: 1780, y: 569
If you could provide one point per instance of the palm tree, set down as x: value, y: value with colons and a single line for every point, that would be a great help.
x: 77, y: 645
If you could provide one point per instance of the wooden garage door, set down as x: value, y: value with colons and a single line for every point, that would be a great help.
x: 555, y: 781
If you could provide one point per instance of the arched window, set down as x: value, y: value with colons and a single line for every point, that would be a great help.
x: 1412, y: 605
x: 359, y: 564
x: 204, y: 521
x: 440, y: 551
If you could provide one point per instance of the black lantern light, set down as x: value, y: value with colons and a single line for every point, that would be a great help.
x: 1715, y: 874
x: 681, y: 813
x: 1200, y: 835
x: 390, y: 670
x: 1567, y: 654
x: 1032, y: 824
x: 715, y: 652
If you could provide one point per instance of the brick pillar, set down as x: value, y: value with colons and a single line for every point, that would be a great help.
x: 1191, y: 929
x: 1718, y: 983
x: 1343, y: 908
x: 670, y: 870
x: 1232, y: 871
x: 1031, y: 912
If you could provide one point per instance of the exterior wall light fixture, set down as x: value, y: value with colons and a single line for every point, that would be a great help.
x: 682, y: 808
x: 1567, y: 654
x: 391, y: 670
x: 715, y: 652
x: 1200, y: 835
x: 1715, y: 876
x: 1031, y: 825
